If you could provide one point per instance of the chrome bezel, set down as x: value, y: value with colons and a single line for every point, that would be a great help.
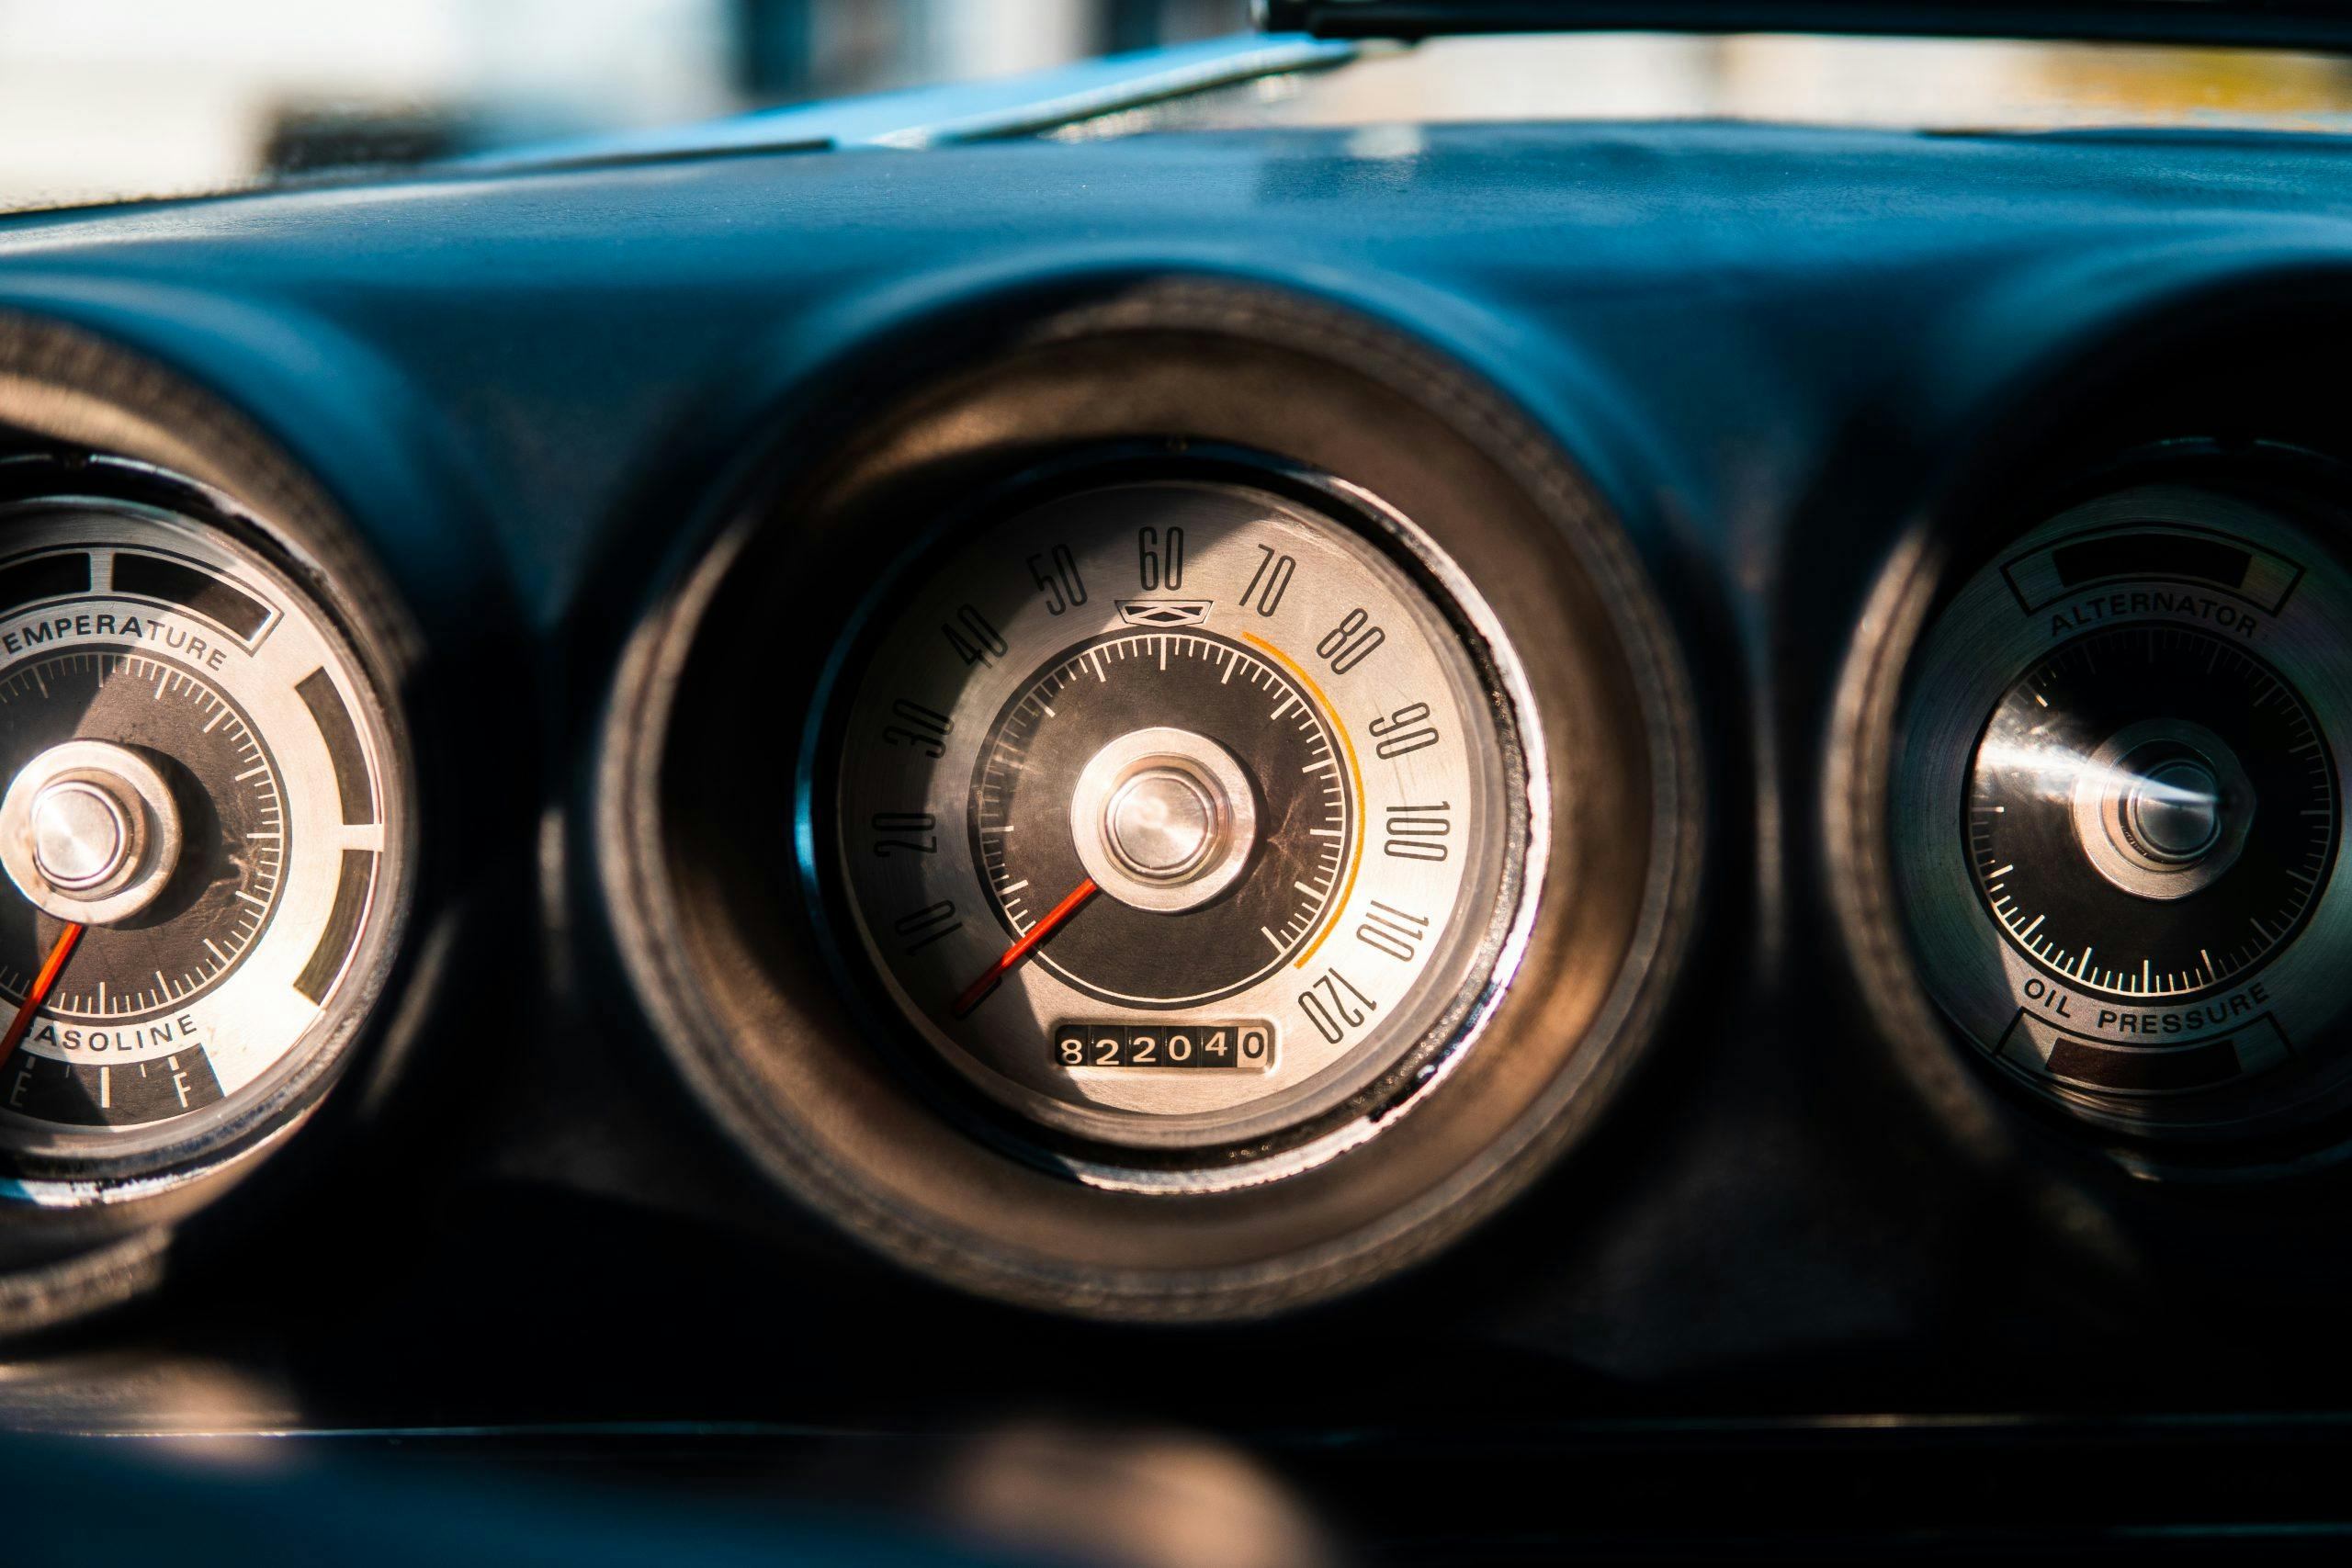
x: 1292, y: 1134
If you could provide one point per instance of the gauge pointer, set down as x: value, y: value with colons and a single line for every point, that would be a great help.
x: 43, y: 983
x: 1055, y: 918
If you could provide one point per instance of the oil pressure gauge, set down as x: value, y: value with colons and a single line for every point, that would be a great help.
x: 1177, y: 814
x: 2120, y: 814
x: 200, y: 837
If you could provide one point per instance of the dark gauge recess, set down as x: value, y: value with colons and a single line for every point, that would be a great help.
x: 198, y: 824
x: 2118, y: 811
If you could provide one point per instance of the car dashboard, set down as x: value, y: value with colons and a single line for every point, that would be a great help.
x: 1756, y: 947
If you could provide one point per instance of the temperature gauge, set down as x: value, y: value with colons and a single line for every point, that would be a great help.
x: 199, y: 828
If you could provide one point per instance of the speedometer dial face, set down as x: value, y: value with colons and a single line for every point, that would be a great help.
x: 1175, y: 812
x: 197, y: 820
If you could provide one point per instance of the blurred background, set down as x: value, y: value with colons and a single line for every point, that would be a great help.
x: 108, y: 98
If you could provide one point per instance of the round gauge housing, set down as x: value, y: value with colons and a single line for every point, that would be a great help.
x: 1177, y: 814
x: 1176, y: 820
x: 2118, y: 810
x: 202, y: 827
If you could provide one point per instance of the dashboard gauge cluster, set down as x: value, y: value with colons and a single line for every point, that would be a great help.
x: 2117, y: 813
x: 1174, y: 821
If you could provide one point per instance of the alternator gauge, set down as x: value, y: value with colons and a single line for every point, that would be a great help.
x: 1175, y: 814
x: 2119, y: 809
x: 199, y: 821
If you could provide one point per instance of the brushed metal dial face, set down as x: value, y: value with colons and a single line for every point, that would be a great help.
x: 2118, y: 813
x: 1175, y: 812
x: 197, y: 826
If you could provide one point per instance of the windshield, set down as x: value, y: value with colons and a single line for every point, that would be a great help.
x: 102, y: 99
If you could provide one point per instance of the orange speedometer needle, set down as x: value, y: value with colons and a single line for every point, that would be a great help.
x: 1055, y: 918
x: 43, y: 983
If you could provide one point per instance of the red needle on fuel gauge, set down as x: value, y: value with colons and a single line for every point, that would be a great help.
x: 43, y: 983
x: 1055, y: 918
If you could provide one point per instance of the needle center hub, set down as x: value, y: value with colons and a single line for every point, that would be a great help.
x: 1164, y: 819
x: 89, y: 832
x: 1161, y: 823
x: 2162, y: 808
x: 81, y: 835
x: 2174, y: 811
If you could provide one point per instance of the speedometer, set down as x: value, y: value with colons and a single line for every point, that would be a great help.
x: 1176, y: 813
x: 1243, y: 819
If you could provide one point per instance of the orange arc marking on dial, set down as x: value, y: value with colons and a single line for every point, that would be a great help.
x: 1355, y: 791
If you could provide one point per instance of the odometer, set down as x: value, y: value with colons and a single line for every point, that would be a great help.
x: 1175, y: 1045
x: 1148, y: 756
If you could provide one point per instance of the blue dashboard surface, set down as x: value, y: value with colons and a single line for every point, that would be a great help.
x: 1701, y: 308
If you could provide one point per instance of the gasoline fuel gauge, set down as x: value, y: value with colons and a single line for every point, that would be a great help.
x: 2120, y: 808
x: 199, y: 826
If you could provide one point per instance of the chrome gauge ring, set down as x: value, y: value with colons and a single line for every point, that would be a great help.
x: 199, y: 825
x: 1175, y: 814
x: 2117, y: 813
